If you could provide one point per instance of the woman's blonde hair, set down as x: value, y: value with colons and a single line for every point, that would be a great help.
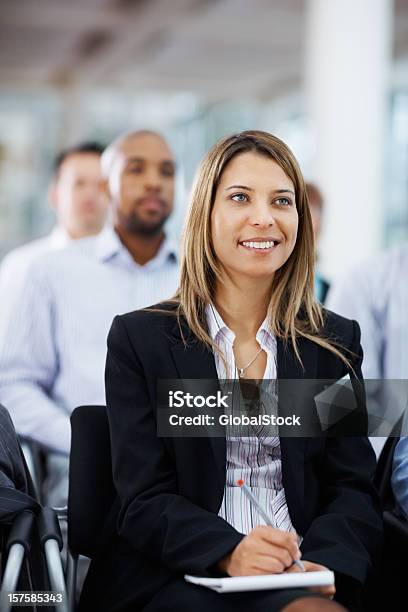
x: 293, y: 310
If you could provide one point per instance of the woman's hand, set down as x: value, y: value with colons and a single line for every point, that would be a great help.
x: 327, y: 591
x: 264, y: 550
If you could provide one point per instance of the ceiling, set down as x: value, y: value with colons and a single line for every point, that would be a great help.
x: 214, y: 47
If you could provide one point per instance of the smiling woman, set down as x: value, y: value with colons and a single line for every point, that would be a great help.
x: 244, y: 309
x: 250, y: 190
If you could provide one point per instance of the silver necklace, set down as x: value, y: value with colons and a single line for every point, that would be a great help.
x: 241, y: 371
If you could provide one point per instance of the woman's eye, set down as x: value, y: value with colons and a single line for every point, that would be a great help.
x: 283, y: 201
x: 240, y: 197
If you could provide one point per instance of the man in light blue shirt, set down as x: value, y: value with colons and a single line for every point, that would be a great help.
x: 399, y: 480
x: 375, y: 293
x: 53, y: 347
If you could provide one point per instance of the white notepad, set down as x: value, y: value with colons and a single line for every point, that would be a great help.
x: 264, y: 582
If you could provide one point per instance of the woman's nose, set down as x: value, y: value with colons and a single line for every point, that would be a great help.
x: 262, y: 216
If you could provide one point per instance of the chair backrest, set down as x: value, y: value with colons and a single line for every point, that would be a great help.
x: 382, y: 478
x: 91, y: 489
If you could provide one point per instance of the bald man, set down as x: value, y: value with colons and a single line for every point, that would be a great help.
x: 139, y: 172
x: 52, y: 352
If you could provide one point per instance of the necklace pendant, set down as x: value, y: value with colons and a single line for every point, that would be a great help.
x: 241, y: 372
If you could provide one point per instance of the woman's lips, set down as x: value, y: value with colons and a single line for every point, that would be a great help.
x: 259, y: 246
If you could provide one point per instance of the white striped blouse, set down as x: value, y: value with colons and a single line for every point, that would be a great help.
x: 256, y: 459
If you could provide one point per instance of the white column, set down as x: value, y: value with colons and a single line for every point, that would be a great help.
x: 348, y: 54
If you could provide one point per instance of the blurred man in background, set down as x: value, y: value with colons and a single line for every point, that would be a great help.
x: 316, y: 204
x: 80, y: 206
x: 52, y: 355
x: 375, y: 293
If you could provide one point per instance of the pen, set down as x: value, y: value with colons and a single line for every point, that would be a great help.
x: 263, y: 514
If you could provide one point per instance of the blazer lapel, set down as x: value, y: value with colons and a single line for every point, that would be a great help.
x: 293, y: 448
x: 195, y: 362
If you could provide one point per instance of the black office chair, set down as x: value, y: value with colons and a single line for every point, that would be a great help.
x: 389, y: 592
x: 383, y: 473
x: 30, y: 537
x: 91, y: 490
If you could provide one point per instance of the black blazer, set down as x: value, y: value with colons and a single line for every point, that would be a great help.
x: 170, y: 489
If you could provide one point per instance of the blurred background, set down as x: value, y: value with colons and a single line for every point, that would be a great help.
x: 330, y: 77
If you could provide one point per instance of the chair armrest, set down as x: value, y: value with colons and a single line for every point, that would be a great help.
x: 51, y: 541
x: 20, y: 532
x: 48, y: 527
x: 17, y: 546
